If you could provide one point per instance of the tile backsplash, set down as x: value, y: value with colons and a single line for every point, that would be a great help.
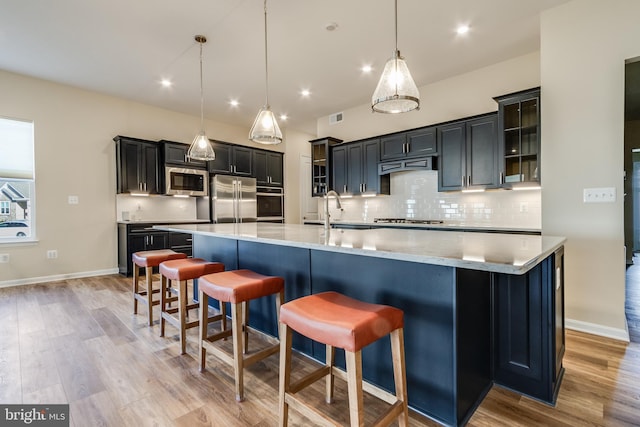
x: 414, y: 194
x: 155, y: 208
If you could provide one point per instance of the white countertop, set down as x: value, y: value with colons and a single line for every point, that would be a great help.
x: 495, y: 252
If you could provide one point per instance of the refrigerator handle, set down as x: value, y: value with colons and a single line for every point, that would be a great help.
x: 239, y: 201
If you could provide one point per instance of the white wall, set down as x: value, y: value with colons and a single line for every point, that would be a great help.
x: 75, y: 155
x: 583, y: 48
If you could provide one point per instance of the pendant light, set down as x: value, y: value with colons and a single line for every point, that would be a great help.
x: 200, y: 148
x: 265, y: 129
x: 396, y: 91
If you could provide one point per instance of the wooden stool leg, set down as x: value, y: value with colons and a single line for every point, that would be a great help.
x: 238, y: 358
x: 204, y: 312
x: 245, y: 326
x: 163, y: 302
x: 149, y: 274
x: 136, y: 273
x: 182, y: 314
x: 354, y: 382
x: 330, y: 357
x: 223, y: 312
x: 399, y: 373
x: 285, y: 373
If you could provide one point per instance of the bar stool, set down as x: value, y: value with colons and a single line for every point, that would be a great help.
x: 237, y: 287
x: 338, y: 321
x: 182, y: 270
x: 148, y: 260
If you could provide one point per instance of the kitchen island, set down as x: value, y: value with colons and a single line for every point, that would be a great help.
x: 480, y: 308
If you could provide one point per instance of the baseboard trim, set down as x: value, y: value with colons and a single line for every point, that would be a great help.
x: 595, y: 329
x: 57, y: 277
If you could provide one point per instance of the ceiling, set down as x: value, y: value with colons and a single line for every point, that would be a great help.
x: 124, y: 48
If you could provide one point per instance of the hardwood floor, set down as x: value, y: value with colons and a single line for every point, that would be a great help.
x: 77, y: 342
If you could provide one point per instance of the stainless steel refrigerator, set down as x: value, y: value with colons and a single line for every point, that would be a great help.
x: 231, y: 199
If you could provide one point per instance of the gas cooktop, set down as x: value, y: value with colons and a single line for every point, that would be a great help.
x: 407, y: 221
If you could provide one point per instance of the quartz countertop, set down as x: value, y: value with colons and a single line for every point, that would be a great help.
x: 165, y: 221
x: 446, y: 225
x: 495, y: 252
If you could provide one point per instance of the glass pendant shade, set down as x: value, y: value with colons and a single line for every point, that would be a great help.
x: 201, y: 149
x: 396, y: 91
x: 265, y: 129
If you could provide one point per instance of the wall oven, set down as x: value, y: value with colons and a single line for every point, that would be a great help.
x: 270, y: 204
x: 186, y: 182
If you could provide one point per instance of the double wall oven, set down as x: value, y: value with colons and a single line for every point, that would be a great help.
x: 270, y: 202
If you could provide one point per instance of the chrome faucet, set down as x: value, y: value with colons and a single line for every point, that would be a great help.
x: 326, y: 207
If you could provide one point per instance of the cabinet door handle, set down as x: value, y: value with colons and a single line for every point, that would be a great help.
x: 344, y: 188
x: 152, y: 240
x: 408, y: 147
x: 146, y: 240
x: 501, y: 178
x: 364, y: 187
x: 463, y: 178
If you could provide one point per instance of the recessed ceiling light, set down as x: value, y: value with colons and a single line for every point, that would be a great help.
x: 166, y: 83
x: 331, y: 26
x: 234, y: 102
x: 462, y: 29
x: 283, y: 117
x: 366, y: 68
x: 305, y: 92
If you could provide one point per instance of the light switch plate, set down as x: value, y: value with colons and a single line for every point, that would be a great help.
x: 599, y: 195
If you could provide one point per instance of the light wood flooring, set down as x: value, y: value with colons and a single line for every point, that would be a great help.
x: 77, y: 342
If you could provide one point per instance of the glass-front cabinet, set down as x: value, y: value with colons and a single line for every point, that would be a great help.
x: 321, y: 180
x: 519, y: 138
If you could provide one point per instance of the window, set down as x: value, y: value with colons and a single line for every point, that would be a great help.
x: 17, y: 181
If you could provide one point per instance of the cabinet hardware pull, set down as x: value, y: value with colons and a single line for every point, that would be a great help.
x: 408, y: 147
x: 364, y: 187
x: 462, y: 181
x: 344, y: 188
x: 501, y: 178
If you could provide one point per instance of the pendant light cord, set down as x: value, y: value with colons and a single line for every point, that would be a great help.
x: 266, y: 67
x: 396, y: 54
x: 201, y: 93
x: 396, y: 15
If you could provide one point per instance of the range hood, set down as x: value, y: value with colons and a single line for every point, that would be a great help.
x: 422, y: 163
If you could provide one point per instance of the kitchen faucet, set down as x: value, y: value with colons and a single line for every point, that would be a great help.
x: 326, y: 207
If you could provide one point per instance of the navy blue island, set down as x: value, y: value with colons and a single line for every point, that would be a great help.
x: 480, y: 308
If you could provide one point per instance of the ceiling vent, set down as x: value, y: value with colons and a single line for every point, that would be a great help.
x: 336, y: 118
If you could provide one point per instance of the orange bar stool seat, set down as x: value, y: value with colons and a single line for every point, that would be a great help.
x: 236, y: 287
x: 338, y: 321
x: 182, y: 270
x: 148, y: 260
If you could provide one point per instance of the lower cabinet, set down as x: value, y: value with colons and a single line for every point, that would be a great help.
x: 528, y: 353
x: 142, y: 237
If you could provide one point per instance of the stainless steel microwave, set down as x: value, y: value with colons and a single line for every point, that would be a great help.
x: 186, y: 182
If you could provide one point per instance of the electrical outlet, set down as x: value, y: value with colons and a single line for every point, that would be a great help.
x: 4, y: 258
x: 52, y: 254
x: 73, y: 200
x: 599, y: 195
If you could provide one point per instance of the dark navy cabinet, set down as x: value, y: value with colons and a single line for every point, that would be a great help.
x: 231, y: 159
x: 175, y: 154
x: 355, y: 168
x: 267, y: 168
x: 468, y: 154
x: 416, y: 143
x: 529, y: 329
x: 137, y: 166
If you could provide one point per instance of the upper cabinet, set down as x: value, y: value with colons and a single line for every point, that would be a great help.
x: 175, y: 153
x: 267, y: 168
x: 519, y: 138
x: 138, y: 166
x: 355, y: 169
x: 416, y: 143
x: 321, y: 172
x: 468, y: 154
x: 231, y: 159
